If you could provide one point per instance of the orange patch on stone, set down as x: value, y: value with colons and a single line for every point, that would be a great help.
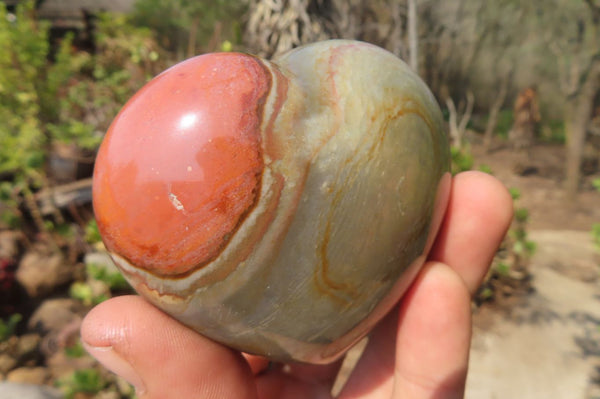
x: 180, y: 166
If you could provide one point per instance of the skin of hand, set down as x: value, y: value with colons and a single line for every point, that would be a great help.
x: 420, y: 350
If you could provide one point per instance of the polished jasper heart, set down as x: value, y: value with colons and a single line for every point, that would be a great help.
x: 279, y: 207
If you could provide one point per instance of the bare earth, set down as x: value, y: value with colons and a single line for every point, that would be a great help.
x: 548, y: 345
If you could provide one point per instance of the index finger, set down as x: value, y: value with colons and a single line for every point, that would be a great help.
x: 479, y: 213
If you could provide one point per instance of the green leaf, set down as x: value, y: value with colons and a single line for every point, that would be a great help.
x: 75, y: 351
x: 596, y: 184
x: 92, y: 234
x: 486, y: 169
x: 521, y: 215
x: 8, y: 327
x: 82, y: 292
x: 502, y: 268
x: 115, y: 281
x: 596, y: 234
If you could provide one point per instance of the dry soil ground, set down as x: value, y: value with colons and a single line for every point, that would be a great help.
x: 546, y: 344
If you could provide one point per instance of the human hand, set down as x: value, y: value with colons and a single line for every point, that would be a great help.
x: 420, y: 350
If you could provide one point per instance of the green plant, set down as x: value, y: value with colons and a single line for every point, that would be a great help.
x: 24, y: 43
x: 183, y: 25
x: 87, y: 381
x: 596, y: 184
x: 66, y: 97
x: 504, y: 123
x: 114, y: 280
x: 25, y: 46
x: 29, y: 88
x: 521, y: 215
x: 10, y: 215
x: 502, y: 268
x: 92, y: 234
x: 64, y: 230
x: 462, y: 160
x: 8, y: 327
x: 485, y: 168
x: 522, y: 247
x: 73, y: 98
x: 485, y: 294
x: 553, y: 131
x: 83, y: 292
x: 510, y: 265
x: 99, y: 84
x: 515, y: 193
x: 596, y: 235
x: 75, y: 351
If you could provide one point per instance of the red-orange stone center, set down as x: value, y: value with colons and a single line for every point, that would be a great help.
x: 180, y: 166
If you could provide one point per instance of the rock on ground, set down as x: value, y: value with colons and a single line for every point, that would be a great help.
x: 9, y: 241
x: 54, y: 314
x: 9, y: 390
x: 40, y: 272
x: 28, y: 375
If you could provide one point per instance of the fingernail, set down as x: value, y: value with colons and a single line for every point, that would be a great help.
x: 110, y: 359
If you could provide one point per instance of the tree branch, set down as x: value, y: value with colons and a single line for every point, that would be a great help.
x: 464, y: 120
x: 589, y: 73
x: 457, y: 129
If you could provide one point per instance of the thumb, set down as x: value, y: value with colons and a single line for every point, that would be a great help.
x: 161, y: 357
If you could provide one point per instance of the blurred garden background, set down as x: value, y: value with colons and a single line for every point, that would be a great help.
x: 519, y: 85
